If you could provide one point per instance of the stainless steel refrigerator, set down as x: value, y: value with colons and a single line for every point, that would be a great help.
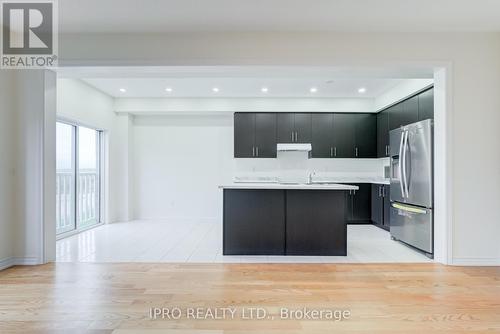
x: 411, y: 217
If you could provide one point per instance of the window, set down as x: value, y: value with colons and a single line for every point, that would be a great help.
x: 78, y: 186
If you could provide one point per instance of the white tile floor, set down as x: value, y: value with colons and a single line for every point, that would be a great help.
x: 189, y: 241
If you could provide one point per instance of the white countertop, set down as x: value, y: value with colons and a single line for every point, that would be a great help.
x: 375, y: 180
x: 313, y: 186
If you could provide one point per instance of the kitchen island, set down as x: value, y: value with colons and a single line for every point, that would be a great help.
x: 285, y: 219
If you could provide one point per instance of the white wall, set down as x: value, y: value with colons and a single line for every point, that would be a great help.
x: 34, y: 194
x: 27, y: 191
x: 8, y: 121
x: 85, y: 105
x: 178, y: 164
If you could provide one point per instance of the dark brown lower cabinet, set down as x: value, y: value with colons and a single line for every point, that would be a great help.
x: 380, y: 210
x: 387, y: 206
x: 254, y: 222
x: 377, y: 205
x: 316, y: 222
x: 359, y: 204
x: 284, y: 222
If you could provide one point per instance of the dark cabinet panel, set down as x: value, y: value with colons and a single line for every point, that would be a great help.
x: 349, y: 206
x: 244, y: 135
x: 414, y: 109
x: 383, y: 134
x: 410, y: 111
x: 255, y: 135
x: 377, y: 215
x: 387, y: 205
x: 366, y: 136
x: 303, y: 128
x: 395, y: 116
x: 294, y: 127
x: 265, y: 135
x: 254, y: 222
x: 381, y: 205
x: 315, y: 222
x: 404, y: 113
x: 344, y: 134
x: 286, y: 127
x: 361, y: 204
x: 426, y: 105
x: 322, y: 135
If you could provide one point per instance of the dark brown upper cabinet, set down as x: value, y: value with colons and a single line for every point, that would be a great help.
x: 255, y: 135
x: 383, y: 134
x: 322, y: 135
x: 426, y: 105
x: 294, y: 127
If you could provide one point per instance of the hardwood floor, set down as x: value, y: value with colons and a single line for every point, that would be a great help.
x: 117, y: 298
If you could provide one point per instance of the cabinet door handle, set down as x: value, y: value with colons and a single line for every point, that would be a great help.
x: 253, y: 151
x: 356, y: 152
x: 291, y: 134
x: 387, y: 150
x: 331, y: 152
x: 257, y: 150
x: 335, y: 151
x: 296, y: 136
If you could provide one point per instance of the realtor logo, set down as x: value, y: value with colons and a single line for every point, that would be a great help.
x: 29, y: 34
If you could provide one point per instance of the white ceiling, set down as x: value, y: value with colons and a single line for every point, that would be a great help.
x: 242, y: 87
x: 407, y: 71
x: 278, y: 15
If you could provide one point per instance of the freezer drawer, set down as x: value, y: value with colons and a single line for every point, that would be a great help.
x: 412, y: 225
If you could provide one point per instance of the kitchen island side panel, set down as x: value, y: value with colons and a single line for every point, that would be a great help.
x: 254, y: 222
x: 316, y: 222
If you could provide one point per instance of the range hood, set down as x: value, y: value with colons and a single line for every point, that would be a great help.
x: 294, y: 147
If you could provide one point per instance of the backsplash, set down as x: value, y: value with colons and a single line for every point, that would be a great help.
x: 290, y: 165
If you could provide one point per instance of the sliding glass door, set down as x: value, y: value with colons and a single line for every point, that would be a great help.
x: 88, y: 177
x: 65, y: 177
x: 78, y: 190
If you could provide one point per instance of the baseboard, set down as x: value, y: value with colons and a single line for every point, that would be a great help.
x: 476, y: 262
x: 18, y: 261
x: 6, y: 263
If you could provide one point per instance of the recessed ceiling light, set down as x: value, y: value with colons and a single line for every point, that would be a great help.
x: 362, y: 90
x: 215, y: 90
x: 313, y: 89
x: 123, y: 90
x: 264, y: 90
x: 168, y: 90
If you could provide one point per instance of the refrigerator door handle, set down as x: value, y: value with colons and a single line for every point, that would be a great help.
x: 408, y: 208
x: 405, y: 174
x: 400, y: 164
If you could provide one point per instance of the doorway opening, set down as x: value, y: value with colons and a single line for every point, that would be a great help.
x: 164, y: 117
